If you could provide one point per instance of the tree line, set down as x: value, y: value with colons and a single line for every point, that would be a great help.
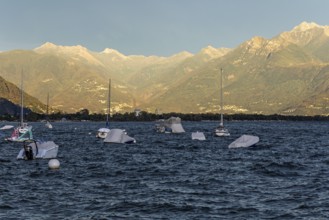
x: 146, y: 116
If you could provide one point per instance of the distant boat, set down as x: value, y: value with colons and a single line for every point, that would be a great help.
x: 103, y: 132
x: 221, y: 131
x: 48, y: 125
x: 3, y: 128
x: 170, y: 125
x: 23, y: 131
x: 33, y: 149
x: 244, y: 141
x: 119, y: 136
x: 198, y: 136
x: 160, y: 126
x: 6, y: 127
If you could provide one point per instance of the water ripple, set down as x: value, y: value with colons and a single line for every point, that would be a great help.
x: 165, y: 176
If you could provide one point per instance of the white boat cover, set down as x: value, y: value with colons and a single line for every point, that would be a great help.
x: 6, y: 127
x: 46, y: 150
x: 198, y: 136
x: 244, y: 141
x: 105, y: 130
x: 119, y: 136
x: 174, y: 123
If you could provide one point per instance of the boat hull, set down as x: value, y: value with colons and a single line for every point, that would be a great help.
x: 222, y: 132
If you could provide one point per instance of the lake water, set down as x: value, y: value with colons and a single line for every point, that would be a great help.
x: 171, y: 176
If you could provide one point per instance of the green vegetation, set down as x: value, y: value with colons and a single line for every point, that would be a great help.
x: 84, y: 115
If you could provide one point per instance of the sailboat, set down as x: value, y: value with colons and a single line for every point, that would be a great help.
x: 114, y: 135
x: 221, y: 131
x: 48, y: 125
x: 102, y: 132
x: 170, y: 125
x: 23, y: 132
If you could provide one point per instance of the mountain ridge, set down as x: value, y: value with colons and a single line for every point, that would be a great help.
x: 261, y: 76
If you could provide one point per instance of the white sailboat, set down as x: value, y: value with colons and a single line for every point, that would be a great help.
x: 103, y: 132
x: 221, y: 131
x: 23, y: 131
x: 48, y: 125
x: 114, y: 135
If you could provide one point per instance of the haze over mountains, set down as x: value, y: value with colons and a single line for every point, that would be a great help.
x: 287, y: 74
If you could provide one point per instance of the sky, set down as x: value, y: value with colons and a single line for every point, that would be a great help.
x: 151, y: 27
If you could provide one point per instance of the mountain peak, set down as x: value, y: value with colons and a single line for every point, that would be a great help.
x: 73, y: 52
x: 257, y: 39
x: 114, y: 53
x: 46, y: 45
x: 183, y: 54
x: 304, y: 26
x: 63, y: 49
x: 212, y: 52
x: 209, y: 50
x: 304, y: 33
x: 111, y: 51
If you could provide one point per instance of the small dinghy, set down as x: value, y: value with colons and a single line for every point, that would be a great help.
x: 33, y: 149
x: 244, y: 141
x: 198, y: 136
x: 119, y: 136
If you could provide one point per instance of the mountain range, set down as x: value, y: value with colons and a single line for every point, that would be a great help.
x: 10, y: 99
x: 287, y: 74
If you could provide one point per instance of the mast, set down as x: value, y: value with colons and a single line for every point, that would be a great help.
x: 221, y: 97
x: 109, y: 104
x: 47, y: 104
x: 22, y: 99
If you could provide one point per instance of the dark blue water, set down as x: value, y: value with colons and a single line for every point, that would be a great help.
x: 167, y: 176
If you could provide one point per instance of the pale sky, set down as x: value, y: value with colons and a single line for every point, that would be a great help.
x: 151, y: 27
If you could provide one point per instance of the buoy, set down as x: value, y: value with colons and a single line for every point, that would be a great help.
x: 53, y: 164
